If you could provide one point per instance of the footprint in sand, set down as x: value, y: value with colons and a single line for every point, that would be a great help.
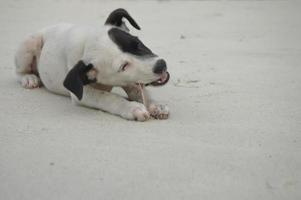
x: 191, y: 83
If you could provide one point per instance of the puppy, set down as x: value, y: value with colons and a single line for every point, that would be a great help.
x: 86, y: 62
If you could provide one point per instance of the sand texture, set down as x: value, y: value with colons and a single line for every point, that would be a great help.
x: 235, y: 99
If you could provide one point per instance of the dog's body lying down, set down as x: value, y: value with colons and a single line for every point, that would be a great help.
x: 86, y: 62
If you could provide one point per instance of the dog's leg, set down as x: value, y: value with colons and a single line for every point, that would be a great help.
x: 156, y: 110
x: 112, y: 103
x: 26, y: 60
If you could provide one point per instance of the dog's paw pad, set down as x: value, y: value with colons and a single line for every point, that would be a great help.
x: 30, y: 81
x: 158, y: 111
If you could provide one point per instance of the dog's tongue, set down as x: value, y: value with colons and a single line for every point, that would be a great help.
x: 164, y: 78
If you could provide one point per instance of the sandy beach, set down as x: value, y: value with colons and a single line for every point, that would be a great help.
x: 235, y: 98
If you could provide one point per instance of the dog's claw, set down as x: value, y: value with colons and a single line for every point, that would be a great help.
x: 30, y: 81
x: 159, y: 111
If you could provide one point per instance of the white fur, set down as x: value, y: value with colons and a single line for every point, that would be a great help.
x: 47, y: 56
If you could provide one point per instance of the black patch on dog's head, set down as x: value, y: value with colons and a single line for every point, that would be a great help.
x: 128, y: 43
x: 115, y: 18
x: 77, y: 78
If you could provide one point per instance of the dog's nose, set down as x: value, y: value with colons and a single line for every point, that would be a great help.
x: 160, y: 66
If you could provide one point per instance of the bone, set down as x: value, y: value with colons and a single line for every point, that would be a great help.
x: 140, y: 85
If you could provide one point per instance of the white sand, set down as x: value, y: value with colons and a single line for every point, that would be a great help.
x: 235, y: 98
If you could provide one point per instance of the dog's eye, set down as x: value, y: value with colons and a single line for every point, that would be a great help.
x: 124, y: 66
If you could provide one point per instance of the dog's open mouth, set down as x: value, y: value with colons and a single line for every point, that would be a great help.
x: 164, y: 78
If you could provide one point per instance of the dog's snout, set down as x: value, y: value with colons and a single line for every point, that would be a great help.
x: 160, y: 66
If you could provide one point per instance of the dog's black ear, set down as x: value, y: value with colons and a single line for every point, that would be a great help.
x: 77, y: 77
x: 115, y: 18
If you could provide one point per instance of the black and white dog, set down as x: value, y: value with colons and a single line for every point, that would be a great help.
x: 86, y: 62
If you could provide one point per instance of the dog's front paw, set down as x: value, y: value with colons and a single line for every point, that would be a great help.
x: 159, y: 111
x: 138, y: 112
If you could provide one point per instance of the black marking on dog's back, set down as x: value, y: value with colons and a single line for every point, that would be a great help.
x: 128, y: 43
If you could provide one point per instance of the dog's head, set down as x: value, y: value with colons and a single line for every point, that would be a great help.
x: 119, y: 59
